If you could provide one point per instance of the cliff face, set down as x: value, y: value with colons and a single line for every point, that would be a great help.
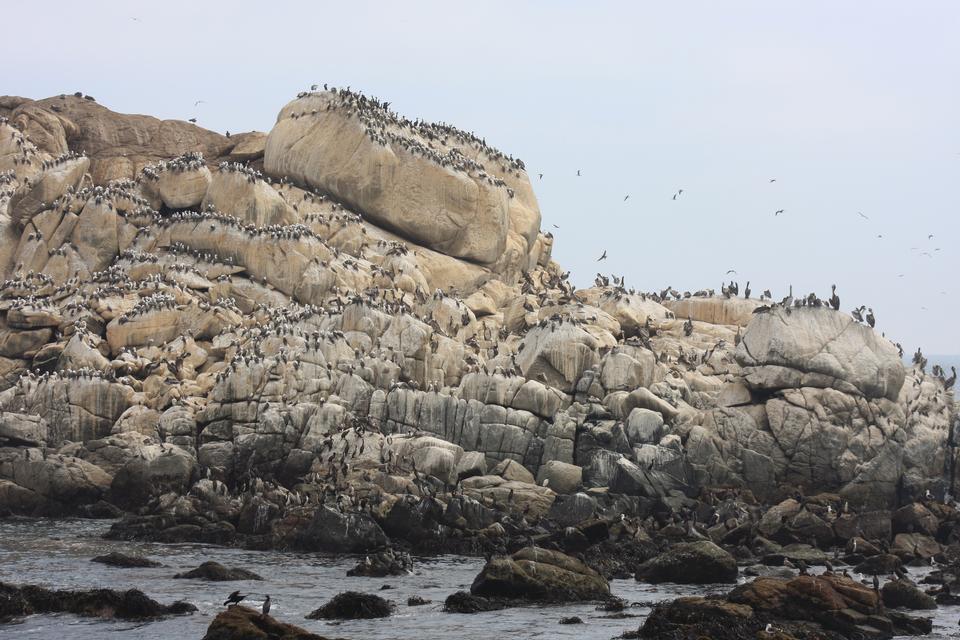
x: 166, y: 310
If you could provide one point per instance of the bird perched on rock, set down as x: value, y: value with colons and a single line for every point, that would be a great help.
x: 234, y: 598
x: 266, y: 606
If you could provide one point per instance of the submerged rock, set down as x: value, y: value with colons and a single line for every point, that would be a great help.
x: 465, y: 602
x: 116, y: 559
x: 216, y: 572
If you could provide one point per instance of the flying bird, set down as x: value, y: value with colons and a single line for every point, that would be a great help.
x: 194, y: 120
x: 729, y: 271
x: 773, y: 179
x: 930, y: 237
x: 233, y: 598
x: 578, y: 172
x: 199, y: 102
x: 541, y: 175
x: 626, y: 197
x: 860, y: 213
x: 555, y: 227
x: 778, y: 212
x: 603, y: 257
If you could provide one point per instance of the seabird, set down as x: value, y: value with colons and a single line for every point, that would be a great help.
x: 234, y: 598
x: 578, y: 172
x: 194, y: 120
x: 603, y: 257
x: 266, y: 606
x: 778, y: 212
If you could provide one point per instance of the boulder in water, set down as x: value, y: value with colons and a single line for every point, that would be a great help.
x: 690, y: 563
x: 116, y: 559
x: 353, y: 605
x: 540, y: 575
x: 216, y: 572
x: 464, y: 602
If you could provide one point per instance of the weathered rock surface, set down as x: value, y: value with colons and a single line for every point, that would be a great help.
x: 810, y: 347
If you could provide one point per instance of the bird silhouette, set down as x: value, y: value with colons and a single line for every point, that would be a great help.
x: 198, y: 102
x: 578, y: 172
x: 860, y: 213
x: 603, y: 257
x: 194, y: 120
x: 626, y: 197
x: 778, y: 212
x: 234, y: 598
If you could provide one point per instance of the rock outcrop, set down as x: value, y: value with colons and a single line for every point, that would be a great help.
x: 349, y: 333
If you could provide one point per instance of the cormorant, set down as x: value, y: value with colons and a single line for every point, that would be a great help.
x: 234, y: 598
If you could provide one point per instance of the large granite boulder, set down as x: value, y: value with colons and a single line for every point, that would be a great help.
x: 819, y: 347
x: 435, y: 185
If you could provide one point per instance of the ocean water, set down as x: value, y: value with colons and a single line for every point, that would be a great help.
x: 57, y: 553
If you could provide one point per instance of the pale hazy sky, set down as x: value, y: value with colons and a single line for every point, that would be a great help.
x: 851, y: 106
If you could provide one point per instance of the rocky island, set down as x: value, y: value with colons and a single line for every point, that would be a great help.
x: 348, y: 336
